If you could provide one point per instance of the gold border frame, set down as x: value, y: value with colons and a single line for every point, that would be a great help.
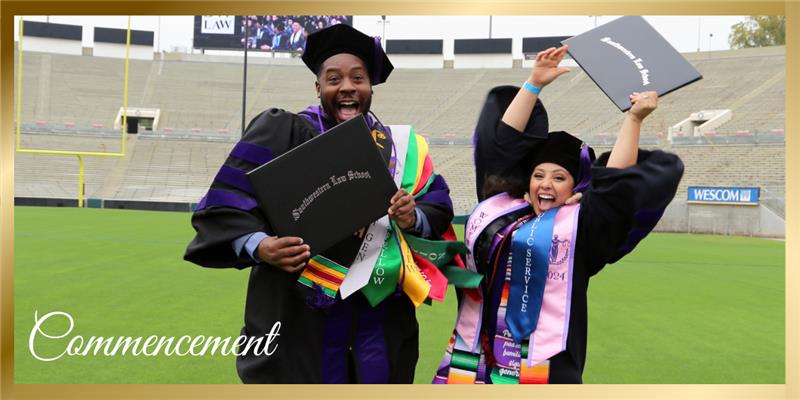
x: 791, y: 8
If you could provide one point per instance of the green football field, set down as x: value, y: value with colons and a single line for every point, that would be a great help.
x: 679, y: 309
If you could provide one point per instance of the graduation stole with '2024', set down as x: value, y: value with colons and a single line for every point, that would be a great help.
x: 546, y: 247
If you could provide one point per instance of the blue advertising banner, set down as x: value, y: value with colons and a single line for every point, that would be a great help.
x: 715, y: 195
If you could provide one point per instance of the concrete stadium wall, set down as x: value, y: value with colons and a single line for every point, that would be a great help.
x: 417, y: 60
x: 728, y: 166
x: 483, y: 61
x: 568, y: 62
x: 236, y: 57
x: 118, y: 51
x: 50, y: 45
x: 679, y: 217
x: 100, y: 203
x: 721, y: 220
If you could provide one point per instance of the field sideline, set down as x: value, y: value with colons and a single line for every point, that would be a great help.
x: 680, y: 309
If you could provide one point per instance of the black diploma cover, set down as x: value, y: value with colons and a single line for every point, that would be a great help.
x: 627, y: 55
x: 326, y: 188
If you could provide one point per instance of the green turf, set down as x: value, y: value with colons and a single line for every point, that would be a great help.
x: 689, y: 309
x: 680, y: 309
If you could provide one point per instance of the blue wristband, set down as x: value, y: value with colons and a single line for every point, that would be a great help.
x: 533, y: 89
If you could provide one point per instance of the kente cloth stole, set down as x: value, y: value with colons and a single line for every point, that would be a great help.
x: 323, y: 272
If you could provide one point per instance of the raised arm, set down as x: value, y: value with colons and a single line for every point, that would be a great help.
x: 545, y: 70
x: 626, y: 148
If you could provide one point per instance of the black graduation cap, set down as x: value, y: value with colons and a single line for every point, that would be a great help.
x: 343, y: 38
x: 565, y: 150
x: 497, y: 101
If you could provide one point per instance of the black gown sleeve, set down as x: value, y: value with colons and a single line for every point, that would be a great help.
x: 229, y: 209
x: 623, y: 205
x: 501, y: 150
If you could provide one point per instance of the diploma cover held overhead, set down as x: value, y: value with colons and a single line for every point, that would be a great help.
x: 627, y: 55
x: 327, y: 188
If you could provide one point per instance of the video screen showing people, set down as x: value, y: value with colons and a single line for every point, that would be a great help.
x: 285, y: 32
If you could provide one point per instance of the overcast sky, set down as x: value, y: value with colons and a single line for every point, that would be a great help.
x: 685, y: 33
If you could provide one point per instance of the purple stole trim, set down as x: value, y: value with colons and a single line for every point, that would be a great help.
x: 369, y: 348
x: 499, y: 236
x: 252, y: 153
x: 234, y: 177
x: 438, y: 196
x: 370, y: 345
x: 484, y: 214
x: 438, y: 184
x: 378, y: 61
x: 584, y: 181
x: 440, y: 378
x: 334, y: 343
x: 469, y: 315
x: 224, y: 198
x: 316, y: 115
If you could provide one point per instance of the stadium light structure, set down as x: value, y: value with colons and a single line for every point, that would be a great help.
x: 383, y: 23
x: 699, y: 20
x: 244, y: 74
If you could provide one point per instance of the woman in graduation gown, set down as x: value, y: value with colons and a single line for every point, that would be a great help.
x: 332, y: 328
x: 536, y: 251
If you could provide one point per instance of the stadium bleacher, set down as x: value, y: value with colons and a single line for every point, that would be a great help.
x: 69, y: 102
x: 441, y: 103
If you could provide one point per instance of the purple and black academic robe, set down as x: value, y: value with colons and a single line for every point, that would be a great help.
x: 348, y: 341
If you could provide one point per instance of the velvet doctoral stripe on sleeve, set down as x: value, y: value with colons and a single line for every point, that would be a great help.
x: 229, y: 208
x: 437, y: 206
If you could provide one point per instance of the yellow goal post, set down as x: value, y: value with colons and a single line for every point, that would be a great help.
x: 79, y: 154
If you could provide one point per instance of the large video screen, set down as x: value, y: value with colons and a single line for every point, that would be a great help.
x: 260, y: 32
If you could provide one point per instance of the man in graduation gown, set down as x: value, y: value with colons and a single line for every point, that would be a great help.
x: 343, y: 319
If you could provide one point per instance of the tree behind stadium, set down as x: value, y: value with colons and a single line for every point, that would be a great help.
x: 758, y: 31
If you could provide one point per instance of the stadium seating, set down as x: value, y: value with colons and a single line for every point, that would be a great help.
x: 205, y: 97
x: 69, y: 102
x: 181, y: 170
